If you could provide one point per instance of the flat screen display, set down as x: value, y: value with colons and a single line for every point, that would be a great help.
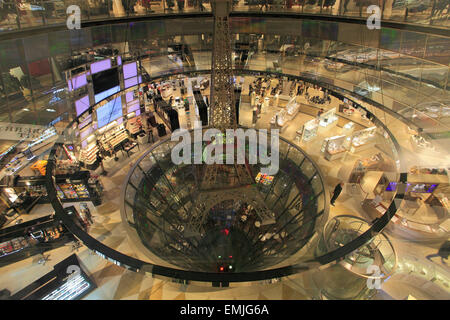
x: 133, y: 106
x: 109, y: 112
x: 129, y: 70
x: 131, y: 82
x: 105, y: 94
x: 101, y: 66
x: 77, y: 82
x: 129, y: 96
x: 105, y: 80
x: 82, y: 105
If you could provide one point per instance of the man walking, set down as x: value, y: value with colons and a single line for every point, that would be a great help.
x: 337, y: 191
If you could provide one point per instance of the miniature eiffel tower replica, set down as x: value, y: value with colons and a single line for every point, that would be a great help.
x: 220, y: 181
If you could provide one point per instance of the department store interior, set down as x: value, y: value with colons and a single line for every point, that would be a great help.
x: 358, y: 210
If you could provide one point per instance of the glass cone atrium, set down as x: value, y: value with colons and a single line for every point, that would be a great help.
x: 89, y: 124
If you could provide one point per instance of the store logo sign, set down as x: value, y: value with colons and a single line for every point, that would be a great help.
x: 74, y: 17
x: 374, y: 20
x: 220, y: 148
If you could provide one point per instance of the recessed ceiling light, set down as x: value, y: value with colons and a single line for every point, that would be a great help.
x: 26, y: 109
x: 51, y: 110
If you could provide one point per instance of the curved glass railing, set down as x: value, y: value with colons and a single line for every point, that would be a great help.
x: 303, y: 260
x: 424, y: 12
x: 39, y: 13
x: 406, y: 73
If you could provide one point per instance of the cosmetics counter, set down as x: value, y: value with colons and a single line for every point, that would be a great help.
x: 31, y: 238
x: 430, y: 190
x: 81, y: 186
x: 118, y: 98
x: 114, y: 134
x: 424, y: 209
x: 334, y: 148
x: 308, y: 131
x: 363, y: 140
x: 377, y: 162
x: 285, y: 115
x: 327, y: 121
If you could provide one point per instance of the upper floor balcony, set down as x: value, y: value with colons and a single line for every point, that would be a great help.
x: 26, y: 14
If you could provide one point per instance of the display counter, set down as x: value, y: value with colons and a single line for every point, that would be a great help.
x: 309, y: 130
x: 112, y: 138
x: 166, y: 90
x: 334, y: 148
x: 70, y: 188
x: 327, y: 121
x: 286, y: 114
x: 363, y: 140
x: 348, y: 128
x: 377, y: 162
x: 426, y: 203
x: 134, y: 125
x: 30, y: 238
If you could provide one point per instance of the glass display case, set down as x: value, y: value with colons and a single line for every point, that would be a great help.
x: 287, y: 114
x: 363, y: 139
x: 334, y: 148
x: 348, y: 128
x: 328, y: 119
x: 309, y: 130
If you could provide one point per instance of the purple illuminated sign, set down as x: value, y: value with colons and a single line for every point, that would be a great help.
x: 133, y: 106
x: 100, y: 66
x: 82, y: 105
x: 131, y: 82
x: 77, y: 82
x: 129, y: 70
x: 129, y: 96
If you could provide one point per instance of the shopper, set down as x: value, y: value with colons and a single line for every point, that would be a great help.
x: 320, y: 112
x: 150, y: 136
x: 100, y: 161
x: 337, y: 191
